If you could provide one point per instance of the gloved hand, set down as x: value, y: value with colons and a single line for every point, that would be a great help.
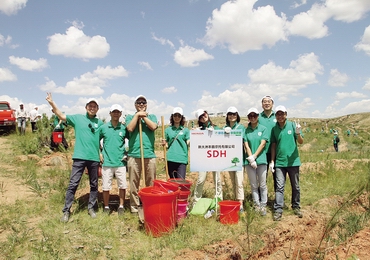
x: 254, y: 165
x: 297, y: 128
x: 251, y: 158
x: 210, y: 129
x: 57, y: 126
x: 227, y: 130
x: 272, y: 166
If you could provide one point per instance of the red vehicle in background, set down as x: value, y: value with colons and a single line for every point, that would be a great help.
x: 8, y: 121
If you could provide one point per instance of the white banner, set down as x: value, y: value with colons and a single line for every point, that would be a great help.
x: 216, y: 150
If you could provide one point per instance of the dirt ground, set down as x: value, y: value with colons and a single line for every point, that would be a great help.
x: 290, y: 238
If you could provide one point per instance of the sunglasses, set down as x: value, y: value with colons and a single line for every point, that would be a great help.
x: 252, y: 116
x: 232, y: 114
x: 91, y: 128
x: 177, y: 115
x: 279, y: 114
x: 140, y: 102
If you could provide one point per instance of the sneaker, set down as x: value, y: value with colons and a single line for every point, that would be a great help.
x: 120, y: 211
x: 92, y: 213
x: 134, y: 209
x: 65, y: 217
x: 263, y: 211
x: 298, y: 212
x: 106, y: 210
x: 277, y: 216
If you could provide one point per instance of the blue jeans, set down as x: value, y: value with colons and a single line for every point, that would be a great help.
x: 78, y: 168
x: 280, y: 173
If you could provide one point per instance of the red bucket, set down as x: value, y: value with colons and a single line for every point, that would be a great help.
x: 183, y: 184
x: 182, y: 208
x: 57, y: 137
x: 184, y: 195
x: 229, y: 211
x: 165, y: 185
x: 160, y: 211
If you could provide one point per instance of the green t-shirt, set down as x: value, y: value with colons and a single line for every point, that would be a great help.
x: 148, y: 138
x: 87, y: 136
x: 286, y: 145
x: 254, y: 137
x: 178, y: 148
x: 269, y: 123
x: 113, y: 144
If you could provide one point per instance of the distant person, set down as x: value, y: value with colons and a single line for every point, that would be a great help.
x: 257, y: 136
x: 236, y: 177
x: 21, y: 115
x: 34, y: 116
x: 336, y: 141
x: 348, y: 132
x: 112, y: 156
x: 58, y: 126
x: 267, y: 118
x: 85, y: 155
x: 177, y: 140
x: 284, y: 137
x: 205, y: 124
x: 149, y: 125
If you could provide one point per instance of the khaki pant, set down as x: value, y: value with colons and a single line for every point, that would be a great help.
x: 134, y: 171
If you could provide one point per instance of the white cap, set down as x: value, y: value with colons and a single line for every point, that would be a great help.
x: 140, y: 96
x: 92, y: 100
x: 198, y: 113
x: 177, y: 110
x: 115, y: 107
x: 232, y: 110
x: 253, y: 110
x: 280, y: 108
x: 269, y: 97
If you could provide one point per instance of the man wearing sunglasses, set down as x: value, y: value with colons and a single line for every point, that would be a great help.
x: 85, y: 155
x: 148, y: 125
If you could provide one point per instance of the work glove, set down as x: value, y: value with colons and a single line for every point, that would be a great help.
x: 254, y: 165
x: 298, y: 128
x: 251, y: 158
x: 227, y: 130
x: 272, y: 166
x: 57, y: 126
x: 210, y: 129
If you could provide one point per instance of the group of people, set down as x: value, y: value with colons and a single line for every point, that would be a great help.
x: 269, y: 141
x: 22, y: 115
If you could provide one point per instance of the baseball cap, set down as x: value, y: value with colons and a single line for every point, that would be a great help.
x: 177, y: 110
x: 92, y: 100
x: 199, y: 112
x: 232, y: 110
x: 253, y: 110
x: 140, y: 96
x: 269, y: 97
x: 280, y: 108
x: 115, y: 107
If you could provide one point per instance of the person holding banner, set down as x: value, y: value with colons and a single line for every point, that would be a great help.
x: 206, y: 124
x: 141, y: 127
x: 236, y: 177
x: 177, y: 139
x: 257, y: 137
x: 284, y: 137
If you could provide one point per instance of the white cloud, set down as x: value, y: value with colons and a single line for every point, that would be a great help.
x: 296, y: 5
x: 348, y: 10
x: 146, y: 65
x: 7, y: 75
x: 7, y: 42
x: 337, y: 79
x: 353, y: 94
x: 163, y: 41
x: 190, y: 57
x: 364, y: 44
x: 90, y: 83
x: 10, y: 7
x: 169, y: 90
x: 76, y: 44
x: 367, y: 85
x: 28, y: 64
x: 241, y: 28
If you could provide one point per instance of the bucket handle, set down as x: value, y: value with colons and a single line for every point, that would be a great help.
x: 229, y: 211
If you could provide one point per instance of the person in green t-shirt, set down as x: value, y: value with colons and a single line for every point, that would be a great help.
x: 149, y: 125
x: 236, y: 177
x: 284, y: 137
x: 206, y: 124
x: 257, y: 136
x: 85, y: 154
x: 112, y: 136
x: 177, y: 139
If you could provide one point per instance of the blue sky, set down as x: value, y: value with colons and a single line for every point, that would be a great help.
x: 311, y: 56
